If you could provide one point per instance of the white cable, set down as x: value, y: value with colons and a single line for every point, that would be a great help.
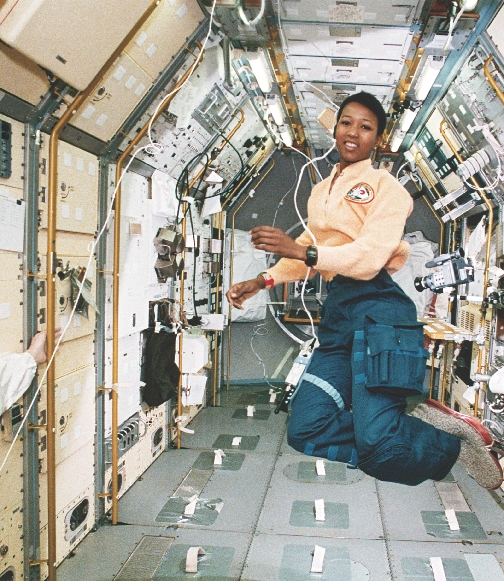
x: 151, y: 145
x: 453, y: 24
x: 260, y: 330
x: 248, y: 22
x: 323, y: 94
x: 310, y: 162
x: 304, y: 304
x: 305, y: 226
x: 308, y: 158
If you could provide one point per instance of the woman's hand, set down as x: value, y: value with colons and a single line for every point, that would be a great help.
x: 242, y: 291
x: 278, y: 242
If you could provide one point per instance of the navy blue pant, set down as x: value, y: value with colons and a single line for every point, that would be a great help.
x: 334, y: 417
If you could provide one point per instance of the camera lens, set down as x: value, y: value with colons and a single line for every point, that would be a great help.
x: 419, y: 284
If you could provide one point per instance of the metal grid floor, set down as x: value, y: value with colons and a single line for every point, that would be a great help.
x: 254, y: 517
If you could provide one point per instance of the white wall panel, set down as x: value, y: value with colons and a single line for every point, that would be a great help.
x: 119, y: 92
x: 11, y: 536
x: 348, y: 41
x: 11, y: 479
x: 77, y: 197
x: 129, y: 378
x: 67, y: 534
x: 56, y: 34
x: 73, y: 252
x: 362, y: 71
x: 134, y: 462
x: 11, y: 284
x: 73, y: 476
x: 153, y: 48
x: 74, y: 483
x: 75, y: 412
x: 136, y: 251
x: 355, y: 12
x: 74, y: 355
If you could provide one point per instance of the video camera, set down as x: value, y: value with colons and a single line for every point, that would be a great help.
x: 455, y: 270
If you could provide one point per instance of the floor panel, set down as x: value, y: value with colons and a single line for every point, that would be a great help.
x: 254, y: 517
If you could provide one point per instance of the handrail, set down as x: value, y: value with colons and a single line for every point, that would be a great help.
x: 115, y: 279
x: 51, y: 286
x: 482, y: 365
x: 491, y: 80
x: 433, y: 186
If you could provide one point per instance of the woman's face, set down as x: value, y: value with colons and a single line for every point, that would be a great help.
x: 356, y: 134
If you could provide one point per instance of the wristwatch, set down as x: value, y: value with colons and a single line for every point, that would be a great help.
x: 311, y: 256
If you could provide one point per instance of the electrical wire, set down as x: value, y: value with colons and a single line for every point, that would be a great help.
x: 323, y: 94
x: 453, y: 24
x: 308, y: 158
x: 260, y: 330
x: 253, y: 22
x: 280, y: 203
x: 150, y: 148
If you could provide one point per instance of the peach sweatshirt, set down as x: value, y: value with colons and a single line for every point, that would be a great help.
x: 357, y: 218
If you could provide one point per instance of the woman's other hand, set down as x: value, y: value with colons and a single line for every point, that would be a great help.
x: 278, y: 242
x: 242, y: 291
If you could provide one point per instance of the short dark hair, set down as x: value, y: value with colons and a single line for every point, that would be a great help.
x: 369, y: 101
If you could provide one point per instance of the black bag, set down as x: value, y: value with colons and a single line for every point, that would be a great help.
x: 395, y: 357
x: 161, y: 373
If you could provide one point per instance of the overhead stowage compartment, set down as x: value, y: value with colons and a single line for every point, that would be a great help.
x: 62, y: 36
x: 21, y: 77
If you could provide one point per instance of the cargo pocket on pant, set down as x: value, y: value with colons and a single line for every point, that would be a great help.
x: 395, y: 357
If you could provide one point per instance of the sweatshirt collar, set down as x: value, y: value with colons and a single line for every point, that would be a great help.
x: 353, y: 170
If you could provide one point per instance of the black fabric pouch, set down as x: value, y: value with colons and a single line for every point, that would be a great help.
x: 161, y: 373
x: 395, y: 357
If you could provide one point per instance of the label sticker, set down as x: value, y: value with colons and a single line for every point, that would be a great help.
x: 88, y: 112
x: 101, y: 120
x: 120, y: 72
x: 4, y: 310
x: 142, y: 37
x: 131, y: 82
x: 151, y: 50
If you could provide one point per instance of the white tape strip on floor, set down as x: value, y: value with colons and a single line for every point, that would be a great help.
x: 236, y: 441
x: 272, y: 394
x: 451, y: 517
x: 219, y: 455
x: 436, y: 564
x: 318, y: 560
x: 191, y: 506
x: 250, y: 411
x: 320, y: 510
x: 484, y: 567
x: 451, y: 496
x: 192, y: 559
x: 320, y: 467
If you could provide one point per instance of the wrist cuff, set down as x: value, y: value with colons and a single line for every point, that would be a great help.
x: 268, y: 280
